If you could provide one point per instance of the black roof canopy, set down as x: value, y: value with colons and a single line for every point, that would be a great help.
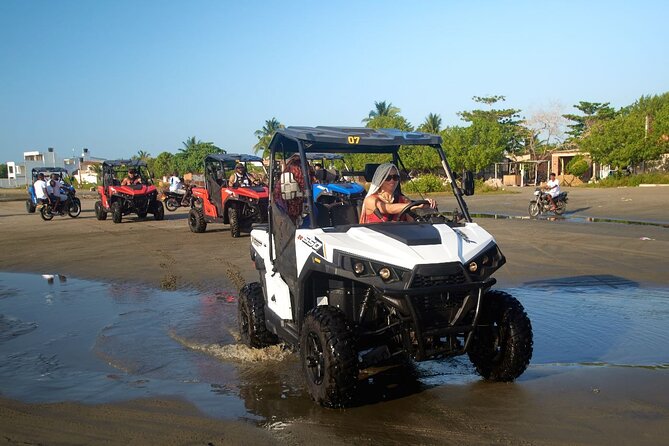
x: 116, y: 163
x: 37, y: 170
x: 227, y: 157
x: 353, y: 139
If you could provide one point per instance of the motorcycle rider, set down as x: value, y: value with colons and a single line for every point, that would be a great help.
x: 176, y: 185
x: 552, y: 189
x: 55, y: 195
x: 40, y: 188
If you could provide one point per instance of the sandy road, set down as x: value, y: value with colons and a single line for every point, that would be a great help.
x: 165, y: 253
x: 550, y: 406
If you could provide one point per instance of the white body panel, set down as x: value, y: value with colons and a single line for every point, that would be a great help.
x: 457, y: 245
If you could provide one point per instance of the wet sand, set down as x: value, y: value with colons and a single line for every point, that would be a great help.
x: 547, y: 405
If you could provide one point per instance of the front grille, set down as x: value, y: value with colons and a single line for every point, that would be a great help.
x: 423, y: 281
x: 140, y: 203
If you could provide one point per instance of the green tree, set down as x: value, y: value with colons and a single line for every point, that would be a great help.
x: 163, y: 164
x: 3, y: 170
x: 638, y: 133
x: 385, y: 116
x: 190, y: 157
x: 142, y: 155
x: 381, y: 108
x: 577, y: 166
x: 475, y: 147
x: 432, y: 124
x: 508, y: 120
x: 592, y: 113
x: 265, y: 135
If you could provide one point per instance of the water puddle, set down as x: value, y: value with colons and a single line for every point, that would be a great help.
x: 568, y: 218
x: 93, y: 342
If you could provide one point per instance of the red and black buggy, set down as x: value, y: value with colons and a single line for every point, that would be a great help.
x: 140, y: 199
x: 233, y: 204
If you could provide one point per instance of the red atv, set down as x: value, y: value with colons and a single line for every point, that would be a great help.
x: 140, y: 198
x: 239, y: 205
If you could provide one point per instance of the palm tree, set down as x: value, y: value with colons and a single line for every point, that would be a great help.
x: 142, y: 155
x: 432, y: 124
x: 265, y: 135
x: 190, y: 144
x: 382, y: 109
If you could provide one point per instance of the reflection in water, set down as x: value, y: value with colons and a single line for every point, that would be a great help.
x: 94, y: 342
x: 565, y: 218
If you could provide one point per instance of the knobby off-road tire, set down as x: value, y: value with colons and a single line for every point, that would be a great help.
x: 117, y: 212
x: 46, y: 213
x: 75, y: 208
x: 251, y: 317
x: 329, y: 358
x: 100, y: 213
x: 196, y: 221
x: 501, y: 347
x: 533, y: 209
x: 171, y: 204
x: 30, y: 206
x: 159, y: 211
x: 233, y: 218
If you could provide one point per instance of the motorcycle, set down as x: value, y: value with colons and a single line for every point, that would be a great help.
x: 541, y: 204
x: 72, y: 205
x: 173, y: 200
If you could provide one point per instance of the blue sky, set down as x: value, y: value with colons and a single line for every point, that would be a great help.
x: 120, y: 76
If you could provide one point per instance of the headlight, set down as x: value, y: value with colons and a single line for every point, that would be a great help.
x: 366, y: 268
x: 487, y: 262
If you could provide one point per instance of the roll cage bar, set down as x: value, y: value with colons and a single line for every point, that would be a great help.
x: 349, y: 140
x: 38, y: 170
x: 111, y: 167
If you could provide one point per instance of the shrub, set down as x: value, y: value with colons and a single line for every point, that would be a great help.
x: 424, y: 184
x: 633, y: 180
x: 577, y: 166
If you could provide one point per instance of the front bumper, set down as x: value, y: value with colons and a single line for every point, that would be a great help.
x: 432, y: 318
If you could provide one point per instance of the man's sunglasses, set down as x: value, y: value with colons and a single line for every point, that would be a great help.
x: 392, y: 178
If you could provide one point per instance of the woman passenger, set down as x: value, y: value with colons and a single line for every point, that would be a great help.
x: 384, y: 202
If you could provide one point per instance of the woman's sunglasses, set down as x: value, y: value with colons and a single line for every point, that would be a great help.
x: 392, y: 178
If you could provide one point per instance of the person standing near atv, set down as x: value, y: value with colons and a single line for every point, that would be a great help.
x: 384, y: 201
x: 132, y: 178
x: 552, y: 189
x: 241, y: 177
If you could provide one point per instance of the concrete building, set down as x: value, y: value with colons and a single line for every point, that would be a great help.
x: 20, y: 173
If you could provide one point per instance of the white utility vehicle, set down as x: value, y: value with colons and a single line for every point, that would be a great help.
x: 350, y: 296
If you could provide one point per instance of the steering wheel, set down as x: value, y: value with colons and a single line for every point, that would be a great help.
x: 408, y: 210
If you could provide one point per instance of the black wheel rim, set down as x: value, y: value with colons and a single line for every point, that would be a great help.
x: 497, y: 349
x: 314, y: 359
x: 192, y: 221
